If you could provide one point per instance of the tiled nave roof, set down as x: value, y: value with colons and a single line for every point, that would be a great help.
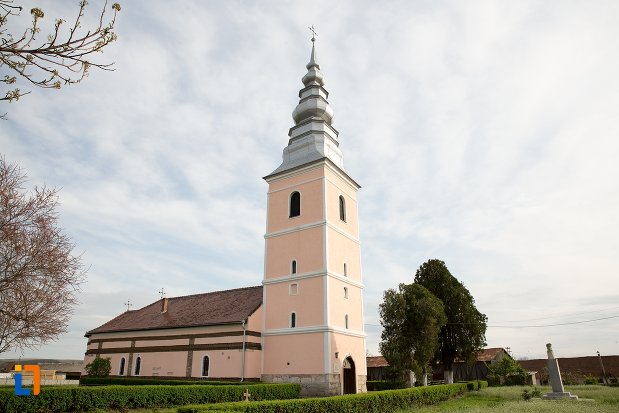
x: 219, y: 307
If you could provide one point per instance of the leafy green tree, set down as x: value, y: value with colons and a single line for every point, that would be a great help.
x: 465, y: 332
x: 507, y: 371
x: 99, y: 367
x: 411, y: 318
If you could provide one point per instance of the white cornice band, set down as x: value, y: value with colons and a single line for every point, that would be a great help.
x: 313, y: 329
x: 305, y: 275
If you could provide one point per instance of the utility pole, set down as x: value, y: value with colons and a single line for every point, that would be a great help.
x: 602, y: 365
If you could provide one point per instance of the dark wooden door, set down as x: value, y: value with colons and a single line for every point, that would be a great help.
x: 350, y: 382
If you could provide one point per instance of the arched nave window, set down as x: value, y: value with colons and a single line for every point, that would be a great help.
x: 138, y: 364
x: 121, y: 368
x: 295, y: 204
x: 205, y: 365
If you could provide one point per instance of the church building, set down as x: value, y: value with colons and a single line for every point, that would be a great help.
x: 304, y: 324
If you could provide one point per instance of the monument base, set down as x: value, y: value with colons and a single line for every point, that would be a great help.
x: 559, y: 396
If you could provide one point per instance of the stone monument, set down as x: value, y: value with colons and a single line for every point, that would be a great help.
x: 558, y: 392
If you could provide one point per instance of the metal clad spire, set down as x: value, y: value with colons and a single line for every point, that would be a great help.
x: 313, y: 59
x: 312, y: 137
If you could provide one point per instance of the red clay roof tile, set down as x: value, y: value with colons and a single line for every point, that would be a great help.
x: 219, y: 307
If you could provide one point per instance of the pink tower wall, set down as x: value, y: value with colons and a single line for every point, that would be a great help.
x: 320, y: 243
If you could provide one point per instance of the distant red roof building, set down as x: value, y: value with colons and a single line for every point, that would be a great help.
x: 462, y: 371
x: 377, y: 361
x: 577, y: 367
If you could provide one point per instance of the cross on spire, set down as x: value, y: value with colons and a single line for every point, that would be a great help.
x: 128, y: 304
x: 313, y: 33
x: 162, y: 292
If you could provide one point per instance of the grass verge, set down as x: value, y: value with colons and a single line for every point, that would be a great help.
x: 592, y: 399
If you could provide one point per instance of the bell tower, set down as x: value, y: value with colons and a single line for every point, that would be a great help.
x: 313, y: 329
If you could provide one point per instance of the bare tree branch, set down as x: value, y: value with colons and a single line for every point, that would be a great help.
x: 39, y: 276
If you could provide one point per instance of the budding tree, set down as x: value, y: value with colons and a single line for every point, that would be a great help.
x: 39, y: 275
x: 63, y: 58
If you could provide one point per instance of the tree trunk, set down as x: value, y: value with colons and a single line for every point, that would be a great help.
x: 424, y: 379
x: 449, y: 376
x: 411, y: 379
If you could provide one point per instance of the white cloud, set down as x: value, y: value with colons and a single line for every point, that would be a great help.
x: 483, y: 133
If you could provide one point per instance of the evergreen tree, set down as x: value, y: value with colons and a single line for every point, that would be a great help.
x: 465, y: 332
x: 412, y: 318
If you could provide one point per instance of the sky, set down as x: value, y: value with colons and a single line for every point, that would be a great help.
x: 483, y: 133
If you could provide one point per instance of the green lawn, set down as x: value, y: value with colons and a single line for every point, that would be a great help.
x: 593, y: 399
x: 166, y: 410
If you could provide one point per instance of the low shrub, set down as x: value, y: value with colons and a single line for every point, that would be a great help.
x: 66, y: 399
x: 482, y: 384
x: 379, y: 385
x: 516, y: 380
x: 472, y: 385
x: 374, y: 402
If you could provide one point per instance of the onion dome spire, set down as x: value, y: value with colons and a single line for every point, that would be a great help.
x: 314, y: 75
x: 312, y: 138
x: 313, y: 102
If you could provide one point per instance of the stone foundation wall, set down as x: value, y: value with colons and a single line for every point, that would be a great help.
x: 315, y: 385
x: 362, y: 384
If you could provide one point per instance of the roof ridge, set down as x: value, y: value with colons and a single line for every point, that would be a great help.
x: 209, y: 293
x: 210, y: 308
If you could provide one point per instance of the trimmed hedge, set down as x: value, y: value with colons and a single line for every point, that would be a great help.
x: 471, y: 385
x: 376, y: 402
x: 128, y: 381
x: 65, y: 399
x: 379, y: 385
x: 475, y: 384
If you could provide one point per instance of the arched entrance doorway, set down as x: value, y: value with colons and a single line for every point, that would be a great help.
x: 350, y: 376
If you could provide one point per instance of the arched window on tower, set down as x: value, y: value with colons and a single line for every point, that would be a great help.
x: 293, y: 320
x: 293, y: 267
x: 342, y: 208
x: 346, y: 321
x: 295, y: 204
x: 121, y: 368
x: 345, y: 270
x: 345, y: 292
x: 138, y: 364
x: 205, y: 365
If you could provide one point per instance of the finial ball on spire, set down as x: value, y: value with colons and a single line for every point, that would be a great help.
x: 313, y: 33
